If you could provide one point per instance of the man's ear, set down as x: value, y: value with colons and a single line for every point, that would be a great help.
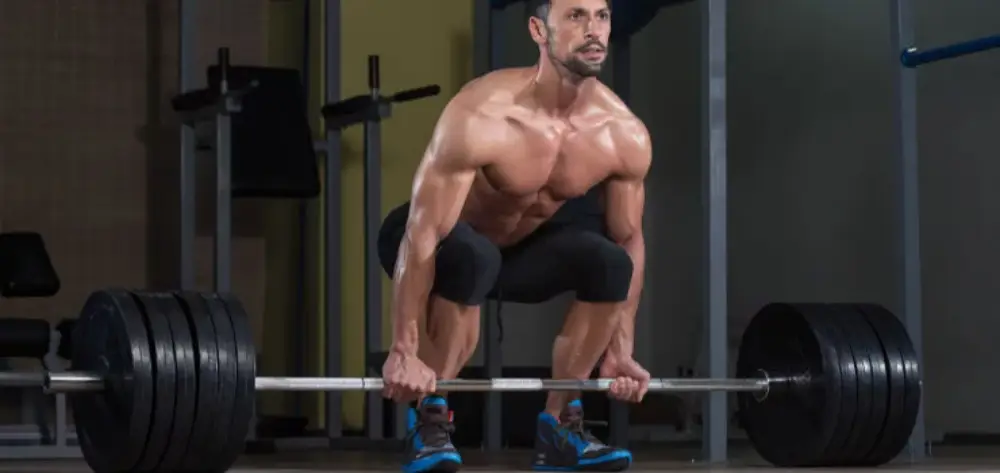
x: 539, y: 30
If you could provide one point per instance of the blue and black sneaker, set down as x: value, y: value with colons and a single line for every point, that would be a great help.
x: 564, y: 445
x: 428, y: 446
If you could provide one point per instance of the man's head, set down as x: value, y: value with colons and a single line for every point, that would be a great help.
x: 573, y: 33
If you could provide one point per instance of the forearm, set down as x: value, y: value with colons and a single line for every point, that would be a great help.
x: 411, y: 288
x: 623, y: 339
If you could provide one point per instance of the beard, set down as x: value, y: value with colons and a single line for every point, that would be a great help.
x: 577, y: 66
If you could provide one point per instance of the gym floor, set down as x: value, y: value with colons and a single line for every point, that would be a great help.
x: 668, y: 459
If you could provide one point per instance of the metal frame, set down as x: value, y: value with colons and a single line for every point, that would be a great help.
x: 332, y: 221
x: 372, y: 203
x: 714, y: 129
x: 905, y: 98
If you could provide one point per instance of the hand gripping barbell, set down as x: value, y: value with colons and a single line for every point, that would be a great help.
x: 166, y: 382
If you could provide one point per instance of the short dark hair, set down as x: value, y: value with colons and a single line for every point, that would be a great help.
x: 542, y: 9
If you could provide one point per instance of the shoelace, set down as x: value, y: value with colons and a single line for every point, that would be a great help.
x: 433, y: 433
x: 578, y: 425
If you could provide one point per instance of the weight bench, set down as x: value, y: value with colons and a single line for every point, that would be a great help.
x: 26, y: 271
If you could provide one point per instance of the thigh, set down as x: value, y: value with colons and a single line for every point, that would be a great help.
x: 550, y: 262
x: 465, y: 265
x: 390, y: 235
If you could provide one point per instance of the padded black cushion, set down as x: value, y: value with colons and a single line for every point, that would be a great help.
x: 272, y: 144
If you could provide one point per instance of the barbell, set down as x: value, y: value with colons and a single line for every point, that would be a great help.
x: 166, y: 382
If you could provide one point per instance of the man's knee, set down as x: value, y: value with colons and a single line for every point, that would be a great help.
x: 467, y: 266
x: 605, y: 271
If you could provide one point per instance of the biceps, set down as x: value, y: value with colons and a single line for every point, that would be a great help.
x: 438, y: 198
x: 624, y: 207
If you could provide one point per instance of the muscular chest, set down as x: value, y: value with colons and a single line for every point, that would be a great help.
x: 557, y: 161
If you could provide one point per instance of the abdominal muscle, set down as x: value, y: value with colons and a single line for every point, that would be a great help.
x: 506, y: 219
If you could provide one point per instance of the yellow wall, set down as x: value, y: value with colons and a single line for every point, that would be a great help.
x: 420, y: 42
x: 284, y: 49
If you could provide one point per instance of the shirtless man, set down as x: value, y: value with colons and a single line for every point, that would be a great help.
x: 485, y: 220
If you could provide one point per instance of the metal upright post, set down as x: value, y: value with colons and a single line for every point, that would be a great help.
x: 332, y: 220
x: 484, y: 61
x: 373, y: 276
x: 621, y: 70
x: 223, y: 183
x: 482, y: 37
x: 188, y: 164
x: 714, y: 131
x: 901, y: 13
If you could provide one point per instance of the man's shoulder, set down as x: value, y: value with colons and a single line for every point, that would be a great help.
x: 629, y: 133
x: 612, y: 105
x: 508, y: 79
x: 485, y: 102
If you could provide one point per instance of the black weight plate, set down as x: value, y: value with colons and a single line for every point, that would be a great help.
x: 794, y: 424
x: 165, y: 379
x: 204, y: 432
x: 824, y: 317
x: 873, y: 384
x: 186, y: 387
x: 246, y: 356
x: 222, y: 453
x: 905, y: 383
x: 110, y: 339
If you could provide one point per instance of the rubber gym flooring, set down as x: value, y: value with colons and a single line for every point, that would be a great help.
x: 979, y: 459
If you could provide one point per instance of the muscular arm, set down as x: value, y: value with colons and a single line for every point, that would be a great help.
x: 625, y: 196
x: 440, y: 187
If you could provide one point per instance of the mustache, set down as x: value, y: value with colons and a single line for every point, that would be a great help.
x: 592, y: 43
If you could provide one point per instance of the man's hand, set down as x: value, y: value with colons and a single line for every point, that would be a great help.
x: 406, y: 377
x: 631, y: 381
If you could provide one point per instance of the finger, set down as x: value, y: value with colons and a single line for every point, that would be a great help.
x: 633, y: 389
x: 636, y: 389
x: 621, y: 388
x: 643, y: 389
x: 629, y: 389
x: 615, y: 389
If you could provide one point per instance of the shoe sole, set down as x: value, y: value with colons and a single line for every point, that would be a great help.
x: 443, y: 466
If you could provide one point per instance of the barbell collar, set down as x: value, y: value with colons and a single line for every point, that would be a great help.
x: 72, y: 382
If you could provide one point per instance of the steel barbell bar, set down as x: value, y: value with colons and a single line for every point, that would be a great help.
x: 78, y: 381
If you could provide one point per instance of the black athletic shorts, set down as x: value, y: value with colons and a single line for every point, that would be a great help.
x: 570, y: 252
